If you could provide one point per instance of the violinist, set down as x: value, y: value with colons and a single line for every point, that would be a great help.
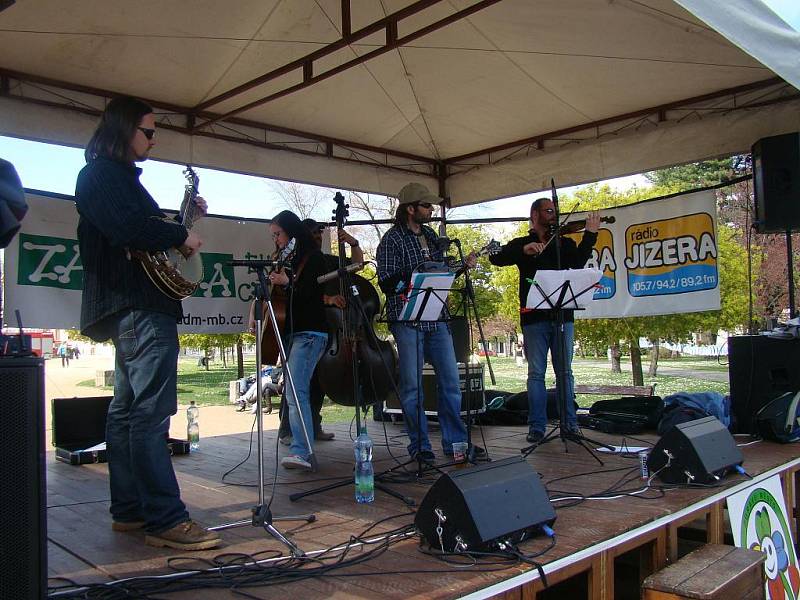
x: 306, y: 331
x: 531, y: 253
x: 403, y: 248
x: 316, y: 396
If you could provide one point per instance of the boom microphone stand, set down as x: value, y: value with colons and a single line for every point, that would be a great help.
x: 262, y: 515
x: 469, y: 295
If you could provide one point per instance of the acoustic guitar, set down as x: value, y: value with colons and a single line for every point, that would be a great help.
x: 270, y: 351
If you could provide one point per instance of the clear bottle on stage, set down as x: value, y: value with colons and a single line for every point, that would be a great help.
x: 365, y: 477
x: 193, y: 426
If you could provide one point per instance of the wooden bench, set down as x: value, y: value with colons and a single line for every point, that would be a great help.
x: 710, y: 573
x: 616, y: 390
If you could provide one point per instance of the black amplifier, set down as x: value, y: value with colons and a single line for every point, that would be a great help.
x: 79, y: 430
x: 474, y: 399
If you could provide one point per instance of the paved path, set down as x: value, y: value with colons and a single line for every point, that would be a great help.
x: 62, y: 382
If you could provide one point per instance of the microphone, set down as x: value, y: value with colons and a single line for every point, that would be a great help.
x: 445, y: 242
x: 253, y: 264
x: 335, y: 274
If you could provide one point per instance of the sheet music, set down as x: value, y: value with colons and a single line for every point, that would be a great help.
x: 439, y: 283
x: 551, y: 282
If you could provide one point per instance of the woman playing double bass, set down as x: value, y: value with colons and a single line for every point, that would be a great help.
x: 305, y: 331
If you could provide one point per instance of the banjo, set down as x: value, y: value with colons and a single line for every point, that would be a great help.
x: 172, y: 273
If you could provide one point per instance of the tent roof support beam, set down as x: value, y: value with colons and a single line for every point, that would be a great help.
x: 306, y: 63
x: 427, y: 165
x: 660, y: 111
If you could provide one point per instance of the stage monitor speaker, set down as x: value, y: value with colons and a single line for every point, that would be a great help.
x: 480, y: 506
x: 23, y: 521
x: 776, y: 183
x: 699, y: 451
x: 760, y: 369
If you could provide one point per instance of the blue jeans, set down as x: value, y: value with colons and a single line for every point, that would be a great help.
x: 540, y: 337
x: 306, y: 350
x: 143, y: 483
x: 437, y: 347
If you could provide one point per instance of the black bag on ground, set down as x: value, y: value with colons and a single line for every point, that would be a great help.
x: 779, y: 419
x: 646, y: 410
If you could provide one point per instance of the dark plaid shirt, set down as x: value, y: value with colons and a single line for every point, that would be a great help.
x: 117, y: 213
x: 399, y: 253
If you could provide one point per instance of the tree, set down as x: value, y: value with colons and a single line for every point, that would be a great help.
x: 300, y: 198
x: 698, y: 175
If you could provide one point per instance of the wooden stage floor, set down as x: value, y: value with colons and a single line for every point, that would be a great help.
x: 590, y: 534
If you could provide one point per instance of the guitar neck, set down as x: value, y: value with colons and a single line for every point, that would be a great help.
x: 188, y: 208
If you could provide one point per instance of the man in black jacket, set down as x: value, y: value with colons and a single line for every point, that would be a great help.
x: 531, y: 253
x: 120, y: 303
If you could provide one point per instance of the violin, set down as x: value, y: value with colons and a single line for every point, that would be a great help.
x: 580, y: 224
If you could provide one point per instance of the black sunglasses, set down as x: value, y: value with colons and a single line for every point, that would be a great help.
x: 424, y: 204
x: 148, y: 133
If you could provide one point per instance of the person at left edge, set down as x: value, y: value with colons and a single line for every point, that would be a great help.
x: 121, y: 303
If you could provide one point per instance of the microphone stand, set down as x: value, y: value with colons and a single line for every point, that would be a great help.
x: 261, y: 514
x: 470, y: 296
x: 350, y: 291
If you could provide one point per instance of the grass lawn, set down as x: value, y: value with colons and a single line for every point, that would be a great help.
x: 209, y: 387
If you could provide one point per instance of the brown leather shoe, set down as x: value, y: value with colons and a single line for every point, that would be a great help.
x: 185, y: 536
x: 123, y: 526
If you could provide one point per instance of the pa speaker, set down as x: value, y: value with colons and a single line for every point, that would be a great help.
x: 776, y: 183
x: 23, y: 520
x: 699, y: 451
x: 478, y: 507
x: 760, y: 369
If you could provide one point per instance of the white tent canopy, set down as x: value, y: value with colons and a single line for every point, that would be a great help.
x: 479, y: 99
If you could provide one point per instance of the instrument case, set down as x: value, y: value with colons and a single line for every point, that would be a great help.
x: 79, y: 424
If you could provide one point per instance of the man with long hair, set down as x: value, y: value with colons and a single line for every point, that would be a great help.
x: 530, y: 254
x: 409, y: 243
x: 120, y: 303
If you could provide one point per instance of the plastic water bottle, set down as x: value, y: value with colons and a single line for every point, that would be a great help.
x: 365, y: 476
x: 193, y: 426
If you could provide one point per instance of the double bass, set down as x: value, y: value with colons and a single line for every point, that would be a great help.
x: 352, y: 340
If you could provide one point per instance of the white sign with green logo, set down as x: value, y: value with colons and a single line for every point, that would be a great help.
x: 759, y: 522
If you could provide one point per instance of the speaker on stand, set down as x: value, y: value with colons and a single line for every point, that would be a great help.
x: 23, y: 520
x: 776, y: 187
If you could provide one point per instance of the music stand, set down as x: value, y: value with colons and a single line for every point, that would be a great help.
x: 262, y: 515
x: 426, y: 297
x: 553, y: 291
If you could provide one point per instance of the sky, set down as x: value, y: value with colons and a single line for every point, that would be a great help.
x: 54, y: 168
x: 788, y: 10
